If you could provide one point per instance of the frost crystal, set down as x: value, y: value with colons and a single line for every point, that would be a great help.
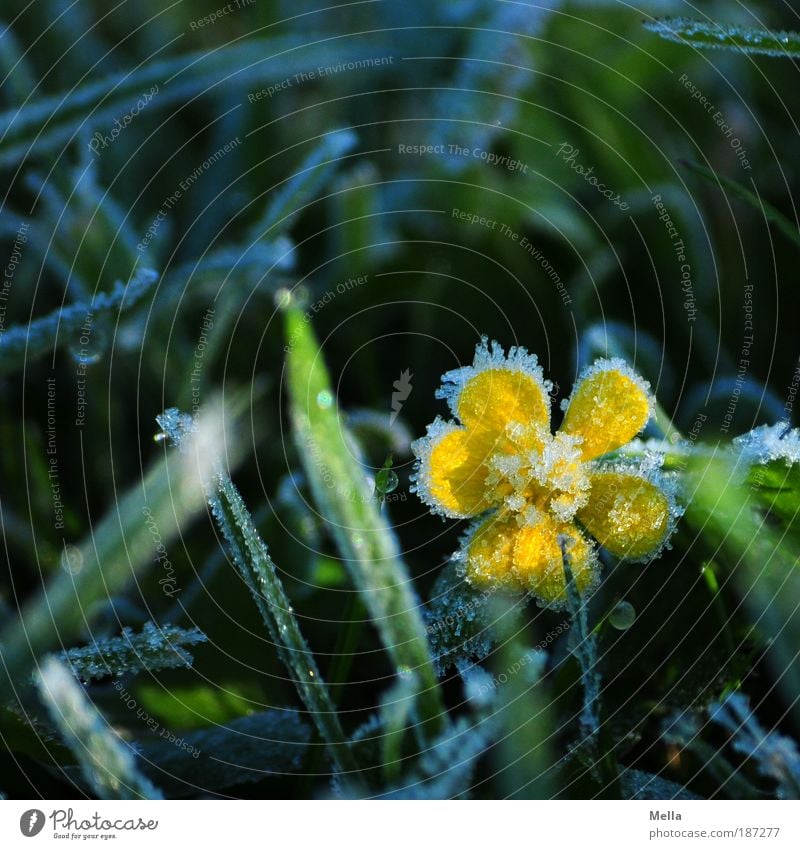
x: 769, y: 443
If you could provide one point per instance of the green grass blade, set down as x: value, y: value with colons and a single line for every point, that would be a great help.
x: 107, y: 762
x: 769, y: 212
x: 727, y: 37
x: 362, y: 535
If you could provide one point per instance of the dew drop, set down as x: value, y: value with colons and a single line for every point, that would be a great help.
x: 84, y: 358
x: 386, y: 481
x: 159, y: 437
x: 71, y: 559
x: 622, y: 616
x: 283, y: 298
x: 324, y: 400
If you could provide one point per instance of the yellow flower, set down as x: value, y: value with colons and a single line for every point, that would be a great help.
x: 533, y: 489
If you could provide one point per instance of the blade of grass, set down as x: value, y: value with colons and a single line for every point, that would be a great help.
x: 303, y: 186
x: 19, y: 345
x: 773, y: 215
x: 344, y: 497
x: 708, y: 35
x: 252, y: 559
x: 107, y: 762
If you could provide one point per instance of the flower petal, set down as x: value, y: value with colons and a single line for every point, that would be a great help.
x: 627, y: 514
x: 497, y: 390
x: 538, y: 560
x: 528, y: 558
x: 489, y: 553
x: 609, y: 405
x: 451, y: 475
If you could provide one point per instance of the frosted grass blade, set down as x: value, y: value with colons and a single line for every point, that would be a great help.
x: 107, y: 762
x: 727, y: 37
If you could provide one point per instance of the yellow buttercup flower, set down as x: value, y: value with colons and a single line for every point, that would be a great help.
x: 531, y: 489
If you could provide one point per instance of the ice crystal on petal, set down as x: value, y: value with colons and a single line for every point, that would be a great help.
x: 489, y: 356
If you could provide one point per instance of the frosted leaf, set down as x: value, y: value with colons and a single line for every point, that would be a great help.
x: 459, y: 625
x: 155, y: 647
x: 769, y: 443
x: 714, y: 36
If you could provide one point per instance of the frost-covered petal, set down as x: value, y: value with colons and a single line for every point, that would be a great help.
x: 628, y: 514
x: 489, y: 550
x: 451, y: 471
x: 525, y: 555
x: 497, y: 390
x: 539, y: 564
x: 609, y: 405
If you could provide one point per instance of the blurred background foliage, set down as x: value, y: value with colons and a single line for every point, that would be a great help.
x: 314, y: 190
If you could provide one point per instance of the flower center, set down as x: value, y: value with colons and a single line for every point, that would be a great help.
x: 532, y: 470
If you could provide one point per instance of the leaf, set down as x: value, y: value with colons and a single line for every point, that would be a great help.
x: 253, y: 561
x: 345, y: 499
x: 107, y: 762
x: 459, y: 623
x: 770, y: 213
x: 247, y: 749
x: 156, y: 647
x: 759, y: 557
x: 21, y: 345
x: 751, y: 40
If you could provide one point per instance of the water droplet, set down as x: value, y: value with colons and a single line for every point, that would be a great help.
x: 159, y: 437
x: 622, y: 616
x: 71, y: 559
x: 84, y: 357
x: 310, y: 673
x: 404, y: 671
x: 324, y: 399
x: 283, y: 298
x: 386, y: 481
